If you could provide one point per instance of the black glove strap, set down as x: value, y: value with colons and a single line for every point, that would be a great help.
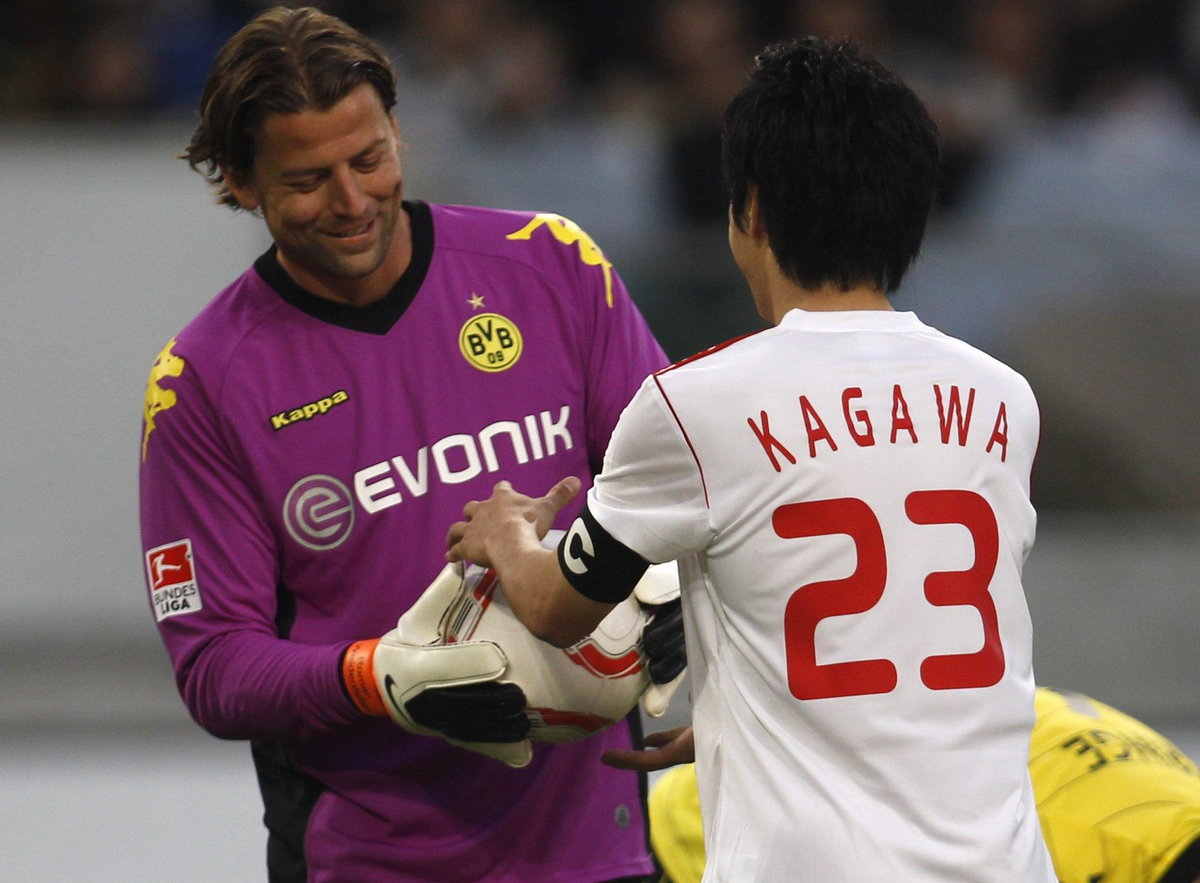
x: 487, y: 712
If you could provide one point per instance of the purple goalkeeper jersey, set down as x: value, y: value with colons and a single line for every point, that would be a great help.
x: 301, y: 463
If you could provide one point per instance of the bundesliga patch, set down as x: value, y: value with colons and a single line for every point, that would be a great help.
x: 173, y: 588
x: 490, y: 342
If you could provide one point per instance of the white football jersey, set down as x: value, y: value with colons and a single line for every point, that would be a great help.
x: 849, y: 495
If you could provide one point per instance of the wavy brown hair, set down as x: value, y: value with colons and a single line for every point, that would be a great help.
x: 283, y: 61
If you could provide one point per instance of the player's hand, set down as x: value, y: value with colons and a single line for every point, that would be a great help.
x: 662, y: 638
x: 665, y: 748
x: 506, y: 512
x: 435, y: 689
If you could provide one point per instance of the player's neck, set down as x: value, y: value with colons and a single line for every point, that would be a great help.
x: 786, y: 295
x: 358, y: 291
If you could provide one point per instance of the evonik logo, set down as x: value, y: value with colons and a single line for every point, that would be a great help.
x: 319, y: 510
x: 460, y: 457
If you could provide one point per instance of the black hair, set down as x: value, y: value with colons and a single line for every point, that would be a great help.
x: 843, y: 159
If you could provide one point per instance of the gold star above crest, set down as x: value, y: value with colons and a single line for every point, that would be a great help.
x: 476, y: 301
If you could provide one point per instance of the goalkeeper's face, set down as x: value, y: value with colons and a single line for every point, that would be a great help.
x: 328, y: 184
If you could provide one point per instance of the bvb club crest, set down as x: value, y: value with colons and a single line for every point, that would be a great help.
x: 490, y: 342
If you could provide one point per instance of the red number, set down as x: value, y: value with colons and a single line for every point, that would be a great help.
x: 859, y: 592
x: 952, y: 588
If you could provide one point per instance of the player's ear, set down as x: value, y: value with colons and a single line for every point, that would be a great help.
x: 241, y: 189
x: 753, y: 214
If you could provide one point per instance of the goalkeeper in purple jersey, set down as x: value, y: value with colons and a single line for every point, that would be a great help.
x: 309, y: 436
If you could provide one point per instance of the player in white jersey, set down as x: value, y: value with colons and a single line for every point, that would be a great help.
x: 848, y: 495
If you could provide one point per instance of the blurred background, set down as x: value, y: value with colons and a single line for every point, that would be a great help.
x: 1066, y: 241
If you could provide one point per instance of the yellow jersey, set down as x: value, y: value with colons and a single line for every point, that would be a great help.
x: 1118, y: 802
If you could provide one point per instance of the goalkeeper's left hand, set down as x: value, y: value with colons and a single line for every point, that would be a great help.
x: 433, y: 688
x: 662, y: 638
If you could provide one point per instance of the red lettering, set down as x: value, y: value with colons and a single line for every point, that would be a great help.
x: 900, y: 417
x: 813, y: 602
x: 866, y: 437
x: 769, y: 443
x: 953, y: 414
x: 815, y: 427
x: 1000, y: 433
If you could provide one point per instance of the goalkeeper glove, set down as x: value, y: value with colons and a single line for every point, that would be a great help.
x: 662, y: 638
x: 436, y: 689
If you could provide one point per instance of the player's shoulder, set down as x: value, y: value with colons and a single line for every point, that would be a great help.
x: 475, y: 225
x: 979, y: 359
x: 964, y: 348
x: 541, y: 254
x: 222, y: 326
x: 536, y: 238
x: 483, y: 227
x: 718, y: 357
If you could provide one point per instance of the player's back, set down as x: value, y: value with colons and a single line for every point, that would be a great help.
x: 867, y: 491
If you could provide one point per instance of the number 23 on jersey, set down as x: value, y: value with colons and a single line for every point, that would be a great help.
x: 863, y: 589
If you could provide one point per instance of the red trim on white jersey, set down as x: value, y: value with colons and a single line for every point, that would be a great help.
x: 715, y: 348
x: 695, y: 357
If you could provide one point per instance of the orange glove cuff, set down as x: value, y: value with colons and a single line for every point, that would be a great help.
x: 358, y: 674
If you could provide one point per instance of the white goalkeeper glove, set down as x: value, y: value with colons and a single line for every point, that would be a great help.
x: 436, y: 689
x: 662, y: 638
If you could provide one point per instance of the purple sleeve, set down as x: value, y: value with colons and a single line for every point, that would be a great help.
x: 623, y: 353
x: 210, y: 553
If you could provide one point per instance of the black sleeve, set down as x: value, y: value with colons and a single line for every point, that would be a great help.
x: 596, y: 564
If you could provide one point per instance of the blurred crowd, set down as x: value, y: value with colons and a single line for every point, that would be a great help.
x: 984, y: 66
x: 1066, y: 236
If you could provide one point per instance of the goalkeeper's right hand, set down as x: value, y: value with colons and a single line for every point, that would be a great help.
x: 436, y: 689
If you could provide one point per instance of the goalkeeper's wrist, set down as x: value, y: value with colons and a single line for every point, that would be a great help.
x: 358, y: 677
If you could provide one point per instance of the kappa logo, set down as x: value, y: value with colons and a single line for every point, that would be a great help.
x: 310, y: 410
x: 172, y: 576
x: 569, y: 233
x: 158, y: 397
x: 490, y: 342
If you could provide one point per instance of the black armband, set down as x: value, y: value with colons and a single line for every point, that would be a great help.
x: 596, y: 564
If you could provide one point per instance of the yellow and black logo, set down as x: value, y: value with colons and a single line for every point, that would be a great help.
x: 309, y: 410
x: 158, y: 397
x: 490, y: 342
x: 569, y: 233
